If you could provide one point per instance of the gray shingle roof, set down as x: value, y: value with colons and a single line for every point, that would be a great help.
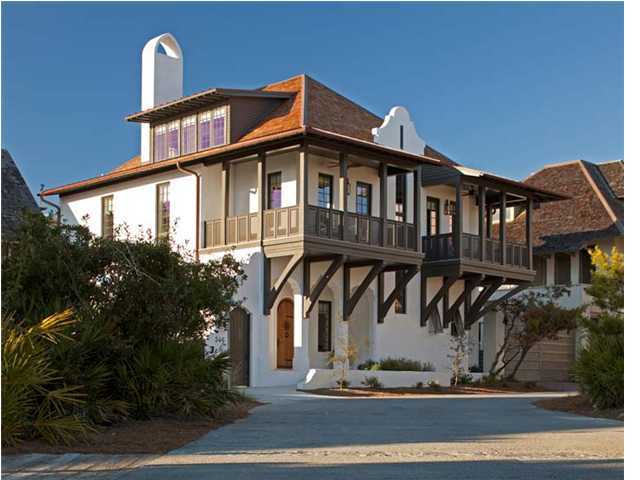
x: 16, y: 196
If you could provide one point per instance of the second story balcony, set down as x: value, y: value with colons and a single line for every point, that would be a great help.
x: 332, y: 209
x: 466, y: 233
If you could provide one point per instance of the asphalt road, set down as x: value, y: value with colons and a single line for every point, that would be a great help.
x: 299, y: 436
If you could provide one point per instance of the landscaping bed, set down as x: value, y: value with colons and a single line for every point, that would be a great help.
x: 579, y: 405
x: 158, y: 435
x: 475, y: 389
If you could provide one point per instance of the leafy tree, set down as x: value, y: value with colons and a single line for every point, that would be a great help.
x: 142, y: 310
x: 530, y: 318
x: 600, y: 366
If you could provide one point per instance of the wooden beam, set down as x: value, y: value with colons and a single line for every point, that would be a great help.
x: 260, y: 175
x: 417, y: 208
x: 446, y: 283
x: 351, y: 301
x: 303, y: 188
x: 481, y: 300
x: 383, y: 200
x: 274, y: 291
x: 343, y: 182
x: 423, y: 294
x: 530, y: 232
x: 494, y: 303
x: 224, y: 199
x: 380, y: 297
x: 457, y: 227
x: 482, y: 198
x: 469, y: 285
x: 503, y: 227
x: 405, y: 278
x: 445, y: 306
x: 322, y: 282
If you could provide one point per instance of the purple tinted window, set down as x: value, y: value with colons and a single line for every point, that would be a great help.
x: 218, y: 131
x: 172, y: 140
x: 205, y: 133
x: 160, y: 146
x: 189, y: 138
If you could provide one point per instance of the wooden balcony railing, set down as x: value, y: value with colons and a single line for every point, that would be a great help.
x: 363, y: 229
x: 240, y: 229
x: 319, y: 222
x: 442, y: 247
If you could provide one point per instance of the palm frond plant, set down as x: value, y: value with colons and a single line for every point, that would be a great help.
x: 35, y: 401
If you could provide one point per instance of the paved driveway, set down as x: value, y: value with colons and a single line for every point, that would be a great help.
x: 298, y: 436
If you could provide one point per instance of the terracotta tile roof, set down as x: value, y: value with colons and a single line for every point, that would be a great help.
x: 309, y: 106
x: 287, y: 116
x: 590, y: 214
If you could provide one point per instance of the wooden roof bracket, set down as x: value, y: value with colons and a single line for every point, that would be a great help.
x: 351, y: 301
x: 272, y: 292
x: 481, y: 301
x: 310, y: 298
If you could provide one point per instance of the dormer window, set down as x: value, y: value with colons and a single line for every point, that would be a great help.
x: 189, y: 134
x: 186, y: 135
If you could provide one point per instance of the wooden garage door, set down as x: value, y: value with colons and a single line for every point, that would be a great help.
x: 549, y: 361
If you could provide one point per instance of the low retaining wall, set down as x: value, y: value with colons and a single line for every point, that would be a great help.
x: 327, y: 378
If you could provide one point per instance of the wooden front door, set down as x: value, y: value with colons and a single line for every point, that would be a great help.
x: 285, y: 334
x: 239, y: 341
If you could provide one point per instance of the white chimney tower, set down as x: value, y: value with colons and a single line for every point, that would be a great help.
x: 161, y: 81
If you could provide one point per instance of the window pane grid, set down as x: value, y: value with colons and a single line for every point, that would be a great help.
x: 325, y: 190
x: 186, y: 135
x: 163, y: 211
x: 107, y: 217
x: 324, y: 326
x: 274, y: 188
x: 363, y: 198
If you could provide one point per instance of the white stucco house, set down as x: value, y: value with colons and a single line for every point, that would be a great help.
x: 352, y: 229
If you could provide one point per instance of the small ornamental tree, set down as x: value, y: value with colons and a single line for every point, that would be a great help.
x: 599, y: 369
x: 530, y: 318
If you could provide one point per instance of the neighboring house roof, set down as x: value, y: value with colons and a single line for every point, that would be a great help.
x: 593, y: 212
x: 304, y: 107
x: 16, y: 197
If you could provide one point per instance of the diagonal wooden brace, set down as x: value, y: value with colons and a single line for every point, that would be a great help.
x: 310, y: 301
x: 351, y: 301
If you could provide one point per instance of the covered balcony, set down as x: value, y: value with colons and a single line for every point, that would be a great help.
x: 329, y: 200
x: 477, y: 206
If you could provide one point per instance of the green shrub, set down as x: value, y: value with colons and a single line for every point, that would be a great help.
x: 402, y: 364
x: 434, y: 385
x: 174, y: 378
x: 369, y: 365
x: 464, y: 379
x: 342, y: 383
x: 599, y: 370
x: 35, y: 400
x: 419, y: 385
x: 142, y: 309
x: 372, y: 382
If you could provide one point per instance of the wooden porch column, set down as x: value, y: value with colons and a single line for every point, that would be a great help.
x: 383, y: 201
x: 303, y: 186
x: 381, y: 294
x: 260, y: 175
x: 457, y: 227
x: 417, y: 206
x: 343, y: 183
x: 503, y: 227
x: 482, y: 200
x: 530, y: 232
x: 224, y: 200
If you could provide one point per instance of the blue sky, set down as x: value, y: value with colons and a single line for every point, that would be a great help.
x: 502, y: 87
